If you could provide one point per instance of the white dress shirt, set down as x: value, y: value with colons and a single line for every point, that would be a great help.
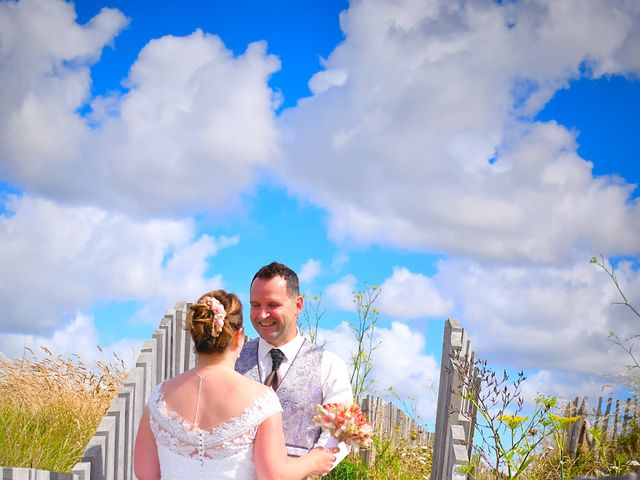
x: 336, y: 385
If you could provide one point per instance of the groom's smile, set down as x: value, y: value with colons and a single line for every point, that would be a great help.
x: 267, y: 323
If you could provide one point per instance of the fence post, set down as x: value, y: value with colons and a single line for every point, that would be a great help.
x: 577, y: 431
x: 455, y: 418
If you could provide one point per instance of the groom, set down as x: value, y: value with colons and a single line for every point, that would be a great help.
x: 302, y: 374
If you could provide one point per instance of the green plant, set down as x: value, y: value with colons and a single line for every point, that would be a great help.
x: 607, y: 456
x: 616, y: 456
x: 626, y: 343
x: 610, y: 270
x: 512, y: 445
x: 351, y: 468
x: 312, y: 313
x: 407, y: 404
x: 510, y: 442
x: 397, y: 459
x: 558, y: 427
x: 363, y: 332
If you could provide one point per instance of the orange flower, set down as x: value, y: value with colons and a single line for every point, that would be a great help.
x: 347, y: 423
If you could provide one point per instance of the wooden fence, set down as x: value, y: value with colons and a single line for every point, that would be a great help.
x: 393, y: 425
x: 613, y: 417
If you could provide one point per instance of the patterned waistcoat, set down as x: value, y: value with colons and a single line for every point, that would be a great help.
x: 299, y: 392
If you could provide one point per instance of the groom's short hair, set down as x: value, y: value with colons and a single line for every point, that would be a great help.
x: 276, y: 269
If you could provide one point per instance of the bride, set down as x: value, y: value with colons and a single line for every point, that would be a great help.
x: 211, y: 422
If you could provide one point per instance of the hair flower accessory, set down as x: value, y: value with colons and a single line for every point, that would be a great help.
x: 346, y: 423
x: 219, y: 314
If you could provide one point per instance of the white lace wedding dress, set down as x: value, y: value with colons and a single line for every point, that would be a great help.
x: 222, y: 452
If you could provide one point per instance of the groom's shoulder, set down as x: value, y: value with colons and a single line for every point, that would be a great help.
x: 250, y: 349
x: 248, y: 358
x: 332, y: 358
x: 250, y: 346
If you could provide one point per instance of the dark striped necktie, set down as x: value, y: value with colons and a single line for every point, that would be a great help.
x: 273, y: 379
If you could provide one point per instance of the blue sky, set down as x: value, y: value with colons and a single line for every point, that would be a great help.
x: 467, y: 158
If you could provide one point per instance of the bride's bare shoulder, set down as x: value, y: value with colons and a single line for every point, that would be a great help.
x: 251, y: 387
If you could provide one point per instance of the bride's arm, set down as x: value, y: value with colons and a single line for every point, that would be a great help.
x: 272, y: 462
x: 145, y: 454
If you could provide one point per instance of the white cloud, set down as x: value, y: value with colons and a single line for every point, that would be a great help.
x: 399, y: 363
x: 428, y: 141
x: 63, y: 259
x: 411, y: 295
x: 338, y: 261
x: 310, y: 270
x: 326, y: 79
x: 44, y: 70
x: 176, y: 140
x: 543, y: 318
x: 565, y: 386
x: 339, y: 341
x: 77, y: 337
x: 340, y: 293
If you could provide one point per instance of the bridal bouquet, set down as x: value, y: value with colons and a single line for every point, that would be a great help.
x: 346, y: 423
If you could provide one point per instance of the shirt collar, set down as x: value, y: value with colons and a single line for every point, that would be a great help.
x: 290, y: 349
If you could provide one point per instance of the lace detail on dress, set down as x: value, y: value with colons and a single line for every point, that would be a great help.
x: 224, y: 440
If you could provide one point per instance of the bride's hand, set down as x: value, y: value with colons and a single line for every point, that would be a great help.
x: 323, y: 458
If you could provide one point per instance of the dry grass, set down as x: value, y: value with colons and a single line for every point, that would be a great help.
x: 50, y: 407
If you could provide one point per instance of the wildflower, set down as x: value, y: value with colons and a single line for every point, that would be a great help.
x: 512, y: 421
x: 563, y: 422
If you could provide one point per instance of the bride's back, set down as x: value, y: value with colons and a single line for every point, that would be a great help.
x: 208, y: 397
x: 205, y: 421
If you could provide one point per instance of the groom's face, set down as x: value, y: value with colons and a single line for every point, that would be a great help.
x: 274, y: 314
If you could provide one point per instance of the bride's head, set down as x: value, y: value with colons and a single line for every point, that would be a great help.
x: 213, y: 321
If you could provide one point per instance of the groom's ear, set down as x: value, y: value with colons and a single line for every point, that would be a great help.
x: 299, y: 303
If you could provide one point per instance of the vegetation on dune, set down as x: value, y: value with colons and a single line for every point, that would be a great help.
x: 50, y: 407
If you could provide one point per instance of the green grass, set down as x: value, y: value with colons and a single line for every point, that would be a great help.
x: 399, y: 460
x: 609, y: 457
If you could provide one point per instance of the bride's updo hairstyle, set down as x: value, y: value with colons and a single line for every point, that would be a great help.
x: 214, y: 320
